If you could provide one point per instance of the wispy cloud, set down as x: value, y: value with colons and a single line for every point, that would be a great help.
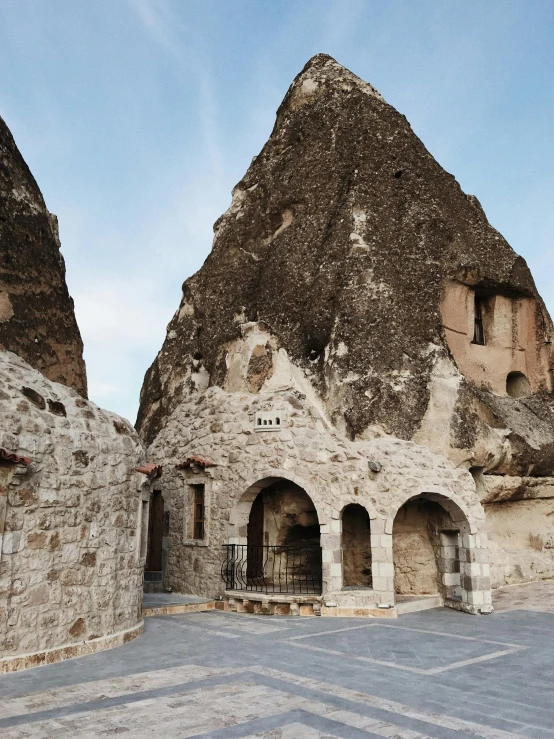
x: 185, y: 46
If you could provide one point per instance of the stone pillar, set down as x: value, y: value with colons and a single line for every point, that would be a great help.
x: 382, y: 561
x: 6, y: 472
x: 475, y: 574
x: 449, y: 565
x: 331, y: 556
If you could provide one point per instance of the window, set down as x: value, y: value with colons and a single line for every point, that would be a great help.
x: 517, y: 385
x: 478, y: 332
x: 199, y: 511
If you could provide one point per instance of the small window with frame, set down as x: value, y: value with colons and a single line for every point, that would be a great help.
x: 199, y: 508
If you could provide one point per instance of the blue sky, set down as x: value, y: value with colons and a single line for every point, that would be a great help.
x: 137, y: 117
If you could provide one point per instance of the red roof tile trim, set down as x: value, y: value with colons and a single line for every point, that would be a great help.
x: 198, y: 461
x: 7, y: 456
x: 152, y: 470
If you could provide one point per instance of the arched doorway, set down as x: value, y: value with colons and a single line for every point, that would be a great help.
x: 426, y: 550
x: 356, y: 547
x: 282, y: 553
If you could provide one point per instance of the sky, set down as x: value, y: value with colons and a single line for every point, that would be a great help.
x: 137, y: 118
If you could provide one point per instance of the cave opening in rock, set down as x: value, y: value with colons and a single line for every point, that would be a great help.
x: 356, y: 547
x: 517, y: 385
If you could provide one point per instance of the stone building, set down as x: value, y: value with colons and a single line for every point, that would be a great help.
x: 353, y: 404
x: 73, y: 507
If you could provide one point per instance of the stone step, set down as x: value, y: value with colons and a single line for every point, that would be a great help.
x: 413, y: 603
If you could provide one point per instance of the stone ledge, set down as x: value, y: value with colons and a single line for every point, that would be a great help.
x: 274, y: 597
x: 178, y: 608
x: 272, y: 604
x: 346, y: 612
x: 69, y: 651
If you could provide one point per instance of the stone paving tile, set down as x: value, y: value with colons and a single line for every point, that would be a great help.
x: 220, y: 675
x: 395, y: 647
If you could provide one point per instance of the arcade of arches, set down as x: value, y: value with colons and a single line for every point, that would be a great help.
x: 432, y: 549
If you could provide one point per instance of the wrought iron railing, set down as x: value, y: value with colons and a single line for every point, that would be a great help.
x: 272, y: 569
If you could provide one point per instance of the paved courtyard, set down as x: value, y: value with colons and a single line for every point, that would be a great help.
x: 437, y: 673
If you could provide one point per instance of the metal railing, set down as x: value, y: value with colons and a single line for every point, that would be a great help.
x: 272, y: 569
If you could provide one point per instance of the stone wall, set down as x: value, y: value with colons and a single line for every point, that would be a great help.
x: 333, y: 471
x: 70, y: 563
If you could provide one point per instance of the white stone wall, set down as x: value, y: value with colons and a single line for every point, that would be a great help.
x: 70, y: 566
x: 220, y: 426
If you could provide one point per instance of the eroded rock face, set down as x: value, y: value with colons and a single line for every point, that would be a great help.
x: 37, y: 320
x: 359, y: 260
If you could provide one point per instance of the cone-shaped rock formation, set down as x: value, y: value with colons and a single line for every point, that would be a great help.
x: 368, y: 265
x: 37, y: 320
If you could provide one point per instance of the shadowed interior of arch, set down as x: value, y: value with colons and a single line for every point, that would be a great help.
x: 356, y: 547
x: 426, y: 550
x: 283, y: 538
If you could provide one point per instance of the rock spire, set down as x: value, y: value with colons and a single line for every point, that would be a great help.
x: 37, y: 319
x: 343, y: 240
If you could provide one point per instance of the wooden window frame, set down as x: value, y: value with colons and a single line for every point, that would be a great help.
x: 199, y: 511
x: 189, y: 510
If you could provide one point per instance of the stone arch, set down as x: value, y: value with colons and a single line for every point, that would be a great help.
x: 277, y: 546
x: 356, y: 546
x: 436, y: 553
x: 352, y: 499
x: 240, y: 512
x: 452, y: 503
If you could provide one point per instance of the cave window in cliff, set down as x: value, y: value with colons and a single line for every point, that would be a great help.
x: 517, y: 385
x: 283, y: 552
x: 426, y: 551
x: 356, y: 547
x: 478, y: 329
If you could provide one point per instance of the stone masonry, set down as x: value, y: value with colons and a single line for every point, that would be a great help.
x: 70, y: 535
x: 220, y: 426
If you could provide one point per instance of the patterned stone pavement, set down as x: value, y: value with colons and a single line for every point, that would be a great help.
x: 436, y: 674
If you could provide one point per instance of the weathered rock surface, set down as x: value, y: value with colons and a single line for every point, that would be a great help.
x: 358, y: 258
x: 37, y: 320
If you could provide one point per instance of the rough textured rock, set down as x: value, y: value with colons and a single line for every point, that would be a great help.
x: 357, y: 295
x: 342, y: 238
x: 37, y: 320
x: 72, y: 522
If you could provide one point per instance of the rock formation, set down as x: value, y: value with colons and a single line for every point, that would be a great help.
x: 37, y: 320
x: 355, y: 297
x: 359, y: 253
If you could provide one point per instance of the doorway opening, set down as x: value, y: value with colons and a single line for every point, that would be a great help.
x: 356, y: 547
x: 153, y: 568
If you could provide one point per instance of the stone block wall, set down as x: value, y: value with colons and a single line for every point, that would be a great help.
x: 334, y: 472
x: 71, y: 565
